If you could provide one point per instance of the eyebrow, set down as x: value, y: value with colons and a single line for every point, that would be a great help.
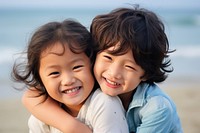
x: 71, y: 62
x: 129, y: 60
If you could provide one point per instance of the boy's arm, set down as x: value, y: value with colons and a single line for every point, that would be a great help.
x: 50, y: 113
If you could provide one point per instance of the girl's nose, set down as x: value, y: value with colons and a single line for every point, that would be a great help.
x: 68, y: 79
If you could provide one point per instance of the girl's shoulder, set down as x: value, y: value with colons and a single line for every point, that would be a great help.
x: 100, y: 100
x: 98, y: 94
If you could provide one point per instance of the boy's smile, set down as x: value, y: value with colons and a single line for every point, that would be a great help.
x: 112, y: 84
x: 117, y: 74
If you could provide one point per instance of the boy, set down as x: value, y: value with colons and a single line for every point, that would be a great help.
x: 132, y: 55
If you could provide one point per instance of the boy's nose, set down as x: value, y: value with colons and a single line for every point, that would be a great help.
x: 115, y: 72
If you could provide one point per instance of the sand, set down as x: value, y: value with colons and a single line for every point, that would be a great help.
x: 188, y: 107
x: 13, y: 117
x: 186, y: 95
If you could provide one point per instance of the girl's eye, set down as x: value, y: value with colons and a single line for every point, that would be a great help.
x: 77, y: 67
x: 53, y: 73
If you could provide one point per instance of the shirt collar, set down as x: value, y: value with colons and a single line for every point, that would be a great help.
x: 139, y: 96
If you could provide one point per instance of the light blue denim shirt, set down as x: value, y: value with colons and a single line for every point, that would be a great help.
x: 152, y: 111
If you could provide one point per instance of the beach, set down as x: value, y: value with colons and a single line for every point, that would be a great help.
x: 188, y: 107
x: 13, y: 116
x: 183, y: 86
x: 185, y: 93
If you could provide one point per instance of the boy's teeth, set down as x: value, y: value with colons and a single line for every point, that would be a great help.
x: 111, y: 82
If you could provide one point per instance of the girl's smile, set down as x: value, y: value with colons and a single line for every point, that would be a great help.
x: 66, y: 76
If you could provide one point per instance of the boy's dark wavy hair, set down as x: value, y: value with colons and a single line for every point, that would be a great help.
x: 141, y: 31
x: 69, y: 32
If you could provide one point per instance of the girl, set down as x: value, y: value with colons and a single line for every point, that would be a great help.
x: 59, y: 67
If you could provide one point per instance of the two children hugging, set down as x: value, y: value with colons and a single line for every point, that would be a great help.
x: 132, y: 55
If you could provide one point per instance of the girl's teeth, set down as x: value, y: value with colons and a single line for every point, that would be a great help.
x: 72, y: 90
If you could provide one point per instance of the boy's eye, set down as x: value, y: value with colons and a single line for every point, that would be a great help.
x: 107, y: 57
x: 130, y: 67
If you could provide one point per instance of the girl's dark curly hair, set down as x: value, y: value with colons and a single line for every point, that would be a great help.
x: 69, y: 32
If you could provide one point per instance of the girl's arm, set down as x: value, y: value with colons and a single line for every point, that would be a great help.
x: 50, y: 113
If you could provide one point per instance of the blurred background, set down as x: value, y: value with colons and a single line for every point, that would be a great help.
x: 20, y: 18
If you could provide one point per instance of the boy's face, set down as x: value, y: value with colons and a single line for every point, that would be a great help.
x: 117, y: 74
x: 66, y: 76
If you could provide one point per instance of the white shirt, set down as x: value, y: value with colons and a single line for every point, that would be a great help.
x: 102, y: 113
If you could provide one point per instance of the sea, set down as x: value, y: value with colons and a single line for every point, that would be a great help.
x: 18, y: 24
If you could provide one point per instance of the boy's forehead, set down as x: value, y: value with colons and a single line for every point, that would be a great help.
x: 114, y: 47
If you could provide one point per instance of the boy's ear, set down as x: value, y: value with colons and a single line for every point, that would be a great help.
x: 143, y: 79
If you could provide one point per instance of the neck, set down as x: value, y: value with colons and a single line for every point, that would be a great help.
x: 72, y: 110
x: 126, y: 99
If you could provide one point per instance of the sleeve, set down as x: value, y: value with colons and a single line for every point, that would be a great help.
x: 156, y: 116
x: 108, y: 115
x: 36, y: 126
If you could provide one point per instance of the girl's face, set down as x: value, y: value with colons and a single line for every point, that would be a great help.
x: 66, y: 76
x: 117, y: 74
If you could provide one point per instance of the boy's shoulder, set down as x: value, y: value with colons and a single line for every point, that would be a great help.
x: 150, y: 94
x: 147, y: 90
x: 155, y: 99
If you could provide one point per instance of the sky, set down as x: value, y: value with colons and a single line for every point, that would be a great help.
x: 177, y: 4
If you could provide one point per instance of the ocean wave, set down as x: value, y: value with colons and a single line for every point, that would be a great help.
x: 187, y: 51
x: 8, y: 54
x: 197, y: 20
x: 184, y: 20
